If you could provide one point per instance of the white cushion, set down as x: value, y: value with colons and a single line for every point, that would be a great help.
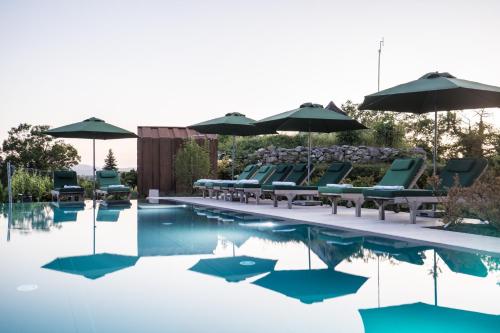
x: 339, y: 185
x: 387, y: 187
x: 71, y: 186
x: 248, y: 181
x: 284, y: 183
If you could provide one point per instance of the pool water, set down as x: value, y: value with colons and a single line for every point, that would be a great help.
x: 179, y: 269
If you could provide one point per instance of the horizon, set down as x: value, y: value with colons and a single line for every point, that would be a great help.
x: 182, y: 62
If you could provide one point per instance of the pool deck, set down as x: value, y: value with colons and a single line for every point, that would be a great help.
x: 396, y: 225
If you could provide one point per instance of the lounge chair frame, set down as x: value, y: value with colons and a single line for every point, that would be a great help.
x: 359, y: 199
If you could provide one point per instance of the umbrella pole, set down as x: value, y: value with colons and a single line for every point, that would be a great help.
x: 435, y: 280
x: 434, y: 157
x: 309, y: 159
x: 93, y: 229
x: 234, y: 157
x: 93, y: 172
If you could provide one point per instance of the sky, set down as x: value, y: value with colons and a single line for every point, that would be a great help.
x: 176, y: 63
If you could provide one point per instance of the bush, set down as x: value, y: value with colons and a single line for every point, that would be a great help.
x: 34, y: 185
x: 129, y: 178
x: 191, y: 163
x: 87, y: 185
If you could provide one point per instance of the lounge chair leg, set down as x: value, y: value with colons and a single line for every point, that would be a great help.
x: 334, y: 201
x: 257, y: 198
x: 289, y: 199
x: 275, y: 200
x: 413, y: 206
x: 357, y: 207
x: 381, y: 210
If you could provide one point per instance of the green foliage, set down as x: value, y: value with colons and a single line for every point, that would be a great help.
x: 32, y: 184
x: 110, y: 162
x: 129, y: 178
x: 26, y: 146
x: 191, y: 163
x: 224, y: 169
x: 87, y: 185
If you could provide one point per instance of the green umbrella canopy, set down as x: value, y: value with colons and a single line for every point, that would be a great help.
x: 234, y: 269
x: 311, y: 117
x: 421, y: 317
x: 310, y: 286
x: 231, y: 124
x: 92, y: 128
x: 434, y: 92
x: 92, y: 266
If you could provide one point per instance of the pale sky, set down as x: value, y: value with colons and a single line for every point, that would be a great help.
x: 175, y: 63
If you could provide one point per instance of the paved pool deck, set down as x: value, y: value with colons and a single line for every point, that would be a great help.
x: 396, y: 225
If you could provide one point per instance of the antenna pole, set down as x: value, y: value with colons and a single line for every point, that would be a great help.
x: 380, y: 44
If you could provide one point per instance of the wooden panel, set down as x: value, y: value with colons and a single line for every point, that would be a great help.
x: 164, y: 165
x: 147, y: 165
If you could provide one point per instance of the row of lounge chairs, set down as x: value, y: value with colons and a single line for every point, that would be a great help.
x: 109, y: 188
x: 398, y: 186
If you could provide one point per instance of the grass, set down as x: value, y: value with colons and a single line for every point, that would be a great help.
x: 470, y: 228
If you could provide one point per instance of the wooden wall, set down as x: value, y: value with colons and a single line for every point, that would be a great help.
x: 156, y: 156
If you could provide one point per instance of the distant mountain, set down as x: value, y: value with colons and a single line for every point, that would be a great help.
x: 86, y: 170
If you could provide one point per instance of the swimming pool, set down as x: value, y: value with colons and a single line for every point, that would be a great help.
x: 191, y: 269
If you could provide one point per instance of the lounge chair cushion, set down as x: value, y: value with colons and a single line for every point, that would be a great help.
x: 299, y: 167
x: 465, y: 178
x: 108, y: 174
x: 334, y: 167
x: 296, y: 188
x: 460, y: 165
x: 341, y: 190
x: 401, y: 164
x: 389, y: 194
x: 335, y: 173
x: 112, y: 189
x: 401, y: 176
x: 281, y: 168
x: 64, y: 177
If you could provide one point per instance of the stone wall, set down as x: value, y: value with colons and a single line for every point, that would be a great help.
x: 354, y: 154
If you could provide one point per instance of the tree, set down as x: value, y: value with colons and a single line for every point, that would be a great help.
x: 129, y: 178
x: 110, y: 161
x: 27, y: 146
x: 192, y: 162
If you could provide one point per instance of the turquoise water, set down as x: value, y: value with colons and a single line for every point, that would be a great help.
x: 189, y: 269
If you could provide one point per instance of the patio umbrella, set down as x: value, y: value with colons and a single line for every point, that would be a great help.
x: 421, y: 317
x: 234, y: 124
x: 92, y: 266
x: 434, y: 92
x: 399, y: 250
x: 309, y: 118
x: 310, y: 286
x: 92, y: 128
x: 234, y: 269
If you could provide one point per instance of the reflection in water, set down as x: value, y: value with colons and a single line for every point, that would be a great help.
x: 92, y: 266
x: 234, y: 269
x: 310, y: 286
x: 269, y: 257
x: 421, y: 317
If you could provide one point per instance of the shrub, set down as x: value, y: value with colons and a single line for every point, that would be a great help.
x: 191, y: 163
x: 31, y: 184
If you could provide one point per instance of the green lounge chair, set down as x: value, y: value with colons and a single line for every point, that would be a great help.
x: 281, y: 171
x: 297, y: 176
x: 468, y: 170
x: 111, y: 189
x: 226, y: 186
x: 66, y: 188
x: 335, y: 173
x: 403, y: 172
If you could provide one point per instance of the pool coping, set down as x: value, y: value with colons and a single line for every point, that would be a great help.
x: 396, y: 225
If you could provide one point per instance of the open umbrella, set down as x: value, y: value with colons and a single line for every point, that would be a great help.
x: 92, y: 128
x: 463, y: 262
x: 235, y: 124
x: 434, y: 92
x: 421, y: 317
x: 310, y: 286
x: 234, y: 269
x: 92, y: 266
x: 309, y: 118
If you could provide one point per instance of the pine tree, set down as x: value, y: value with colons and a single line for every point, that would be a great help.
x: 110, y: 161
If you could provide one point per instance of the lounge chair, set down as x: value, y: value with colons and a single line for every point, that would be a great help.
x: 468, y: 170
x: 66, y: 188
x: 403, y: 173
x: 297, y: 176
x: 257, y: 179
x: 335, y: 173
x: 246, y: 190
x: 111, y: 189
x: 216, y: 187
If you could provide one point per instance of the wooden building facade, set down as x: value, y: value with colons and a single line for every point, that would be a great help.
x: 156, y: 150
